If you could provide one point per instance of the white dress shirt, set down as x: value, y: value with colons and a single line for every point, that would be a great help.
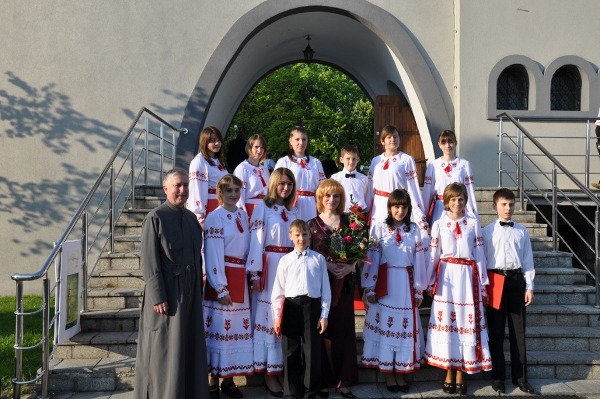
x: 509, y: 248
x: 356, y: 188
x: 301, y: 273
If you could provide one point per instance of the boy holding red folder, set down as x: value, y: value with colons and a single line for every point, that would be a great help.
x: 510, y: 267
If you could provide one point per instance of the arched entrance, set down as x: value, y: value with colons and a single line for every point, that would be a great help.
x: 362, y: 39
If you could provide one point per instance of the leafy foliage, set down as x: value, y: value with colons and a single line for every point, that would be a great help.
x: 329, y: 104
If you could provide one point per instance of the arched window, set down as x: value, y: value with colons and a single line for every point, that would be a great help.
x: 565, y: 90
x: 512, y: 88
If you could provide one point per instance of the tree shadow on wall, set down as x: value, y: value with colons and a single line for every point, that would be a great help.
x: 45, y: 114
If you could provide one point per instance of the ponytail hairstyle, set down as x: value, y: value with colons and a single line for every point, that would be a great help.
x: 302, y: 130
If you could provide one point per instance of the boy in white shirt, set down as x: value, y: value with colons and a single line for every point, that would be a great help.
x: 508, y: 253
x: 302, y: 289
x: 356, y: 184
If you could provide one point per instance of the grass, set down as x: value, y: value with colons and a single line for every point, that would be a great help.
x: 32, y: 333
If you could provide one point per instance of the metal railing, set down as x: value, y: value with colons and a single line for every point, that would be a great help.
x: 139, y: 158
x: 538, y: 173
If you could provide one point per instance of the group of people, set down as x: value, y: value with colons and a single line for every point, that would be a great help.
x: 278, y: 300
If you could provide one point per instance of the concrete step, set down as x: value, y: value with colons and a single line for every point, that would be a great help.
x: 119, y: 261
x: 564, y: 294
x: 558, y: 275
x: 128, y: 243
x: 550, y: 259
x: 541, y: 243
x: 118, y: 373
x: 92, y: 345
x: 114, y: 298
x: 116, y: 278
x: 111, y: 320
x: 147, y: 201
x: 128, y: 228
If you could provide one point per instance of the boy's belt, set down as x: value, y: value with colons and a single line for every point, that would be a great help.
x: 506, y: 272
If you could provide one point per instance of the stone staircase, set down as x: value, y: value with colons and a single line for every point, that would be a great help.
x: 563, y: 334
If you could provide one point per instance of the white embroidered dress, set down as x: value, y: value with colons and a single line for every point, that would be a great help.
x: 255, y: 180
x: 387, y: 174
x: 269, y: 241
x: 457, y: 336
x: 441, y: 173
x: 308, y: 176
x: 393, y: 334
x: 203, y: 183
x: 228, y: 327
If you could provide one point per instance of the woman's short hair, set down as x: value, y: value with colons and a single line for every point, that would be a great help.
x: 388, y: 130
x: 446, y: 135
x: 250, y: 143
x: 227, y: 180
x: 330, y: 186
x: 454, y: 190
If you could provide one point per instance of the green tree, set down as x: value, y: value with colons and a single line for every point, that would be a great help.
x: 329, y: 104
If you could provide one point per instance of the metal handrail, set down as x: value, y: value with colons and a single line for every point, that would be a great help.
x: 81, y: 216
x: 521, y: 174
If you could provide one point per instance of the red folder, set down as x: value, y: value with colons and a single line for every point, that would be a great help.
x: 236, y: 280
x: 263, y: 274
x: 381, y: 287
x: 495, y: 289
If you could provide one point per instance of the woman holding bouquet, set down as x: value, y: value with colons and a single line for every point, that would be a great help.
x: 392, y: 332
x: 269, y: 241
x: 339, y: 340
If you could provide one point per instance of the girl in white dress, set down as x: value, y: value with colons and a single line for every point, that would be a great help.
x: 392, y: 333
x: 269, y: 241
x: 391, y: 170
x: 226, y: 298
x: 457, y: 338
x: 253, y: 174
x: 445, y: 170
x: 205, y: 171
x: 307, y: 170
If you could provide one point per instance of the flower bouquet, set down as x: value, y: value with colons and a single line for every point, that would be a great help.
x: 351, y: 243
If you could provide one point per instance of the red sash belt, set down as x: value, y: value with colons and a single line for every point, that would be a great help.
x: 440, y: 197
x: 476, y: 290
x: 382, y: 193
x: 411, y: 284
x: 212, y: 190
x: 236, y: 261
x: 302, y: 193
x: 259, y: 196
x: 281, y: 250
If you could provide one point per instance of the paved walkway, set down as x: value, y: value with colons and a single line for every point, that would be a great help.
x: 477, y: 388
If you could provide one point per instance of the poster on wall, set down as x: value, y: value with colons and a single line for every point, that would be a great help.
x: 68, y: 295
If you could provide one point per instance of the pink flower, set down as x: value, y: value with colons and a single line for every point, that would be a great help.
x: 354, y: 226
x: 347, y: 239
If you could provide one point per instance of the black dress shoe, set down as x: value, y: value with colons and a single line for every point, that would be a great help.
x: 498, y: 386
x: 393, y: 388
x: 403, y: 388
x: 347, y: 394
x: 214, y: 391
x: 323, y: 393
x: 277, y: 394
x: 526, y: 387
x: 231, y: 390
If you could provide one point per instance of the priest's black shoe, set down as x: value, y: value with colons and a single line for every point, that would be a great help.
x: 526, y: 387
x: 498, y: 386
x: 231, y: 390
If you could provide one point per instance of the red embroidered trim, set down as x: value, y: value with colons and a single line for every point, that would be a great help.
x: 281, y: 250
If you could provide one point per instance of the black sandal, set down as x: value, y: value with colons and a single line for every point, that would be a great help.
x: 461, y: 389
x: 214, y: 391
x: 448, y: 387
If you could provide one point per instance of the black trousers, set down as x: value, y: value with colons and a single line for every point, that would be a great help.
x: 598, y: 139
x: 299, y: 329
x: 512, y: 308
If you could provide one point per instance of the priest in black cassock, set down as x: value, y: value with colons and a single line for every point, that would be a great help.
x: 171, y: 351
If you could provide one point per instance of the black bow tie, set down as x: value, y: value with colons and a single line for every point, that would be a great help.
x: 511, y: 224
x: 350, y: 175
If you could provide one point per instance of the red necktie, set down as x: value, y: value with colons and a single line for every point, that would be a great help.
x: 239, y: 224
x: 398, y: 236
x: 457, y: 231
x: 283, y: 215
x: 447, y: 169
x: 386, y: 164
x: 302, y: 163
x: 261, y: 178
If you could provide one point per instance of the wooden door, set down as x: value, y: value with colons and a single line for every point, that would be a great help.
x: 394, y: 110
